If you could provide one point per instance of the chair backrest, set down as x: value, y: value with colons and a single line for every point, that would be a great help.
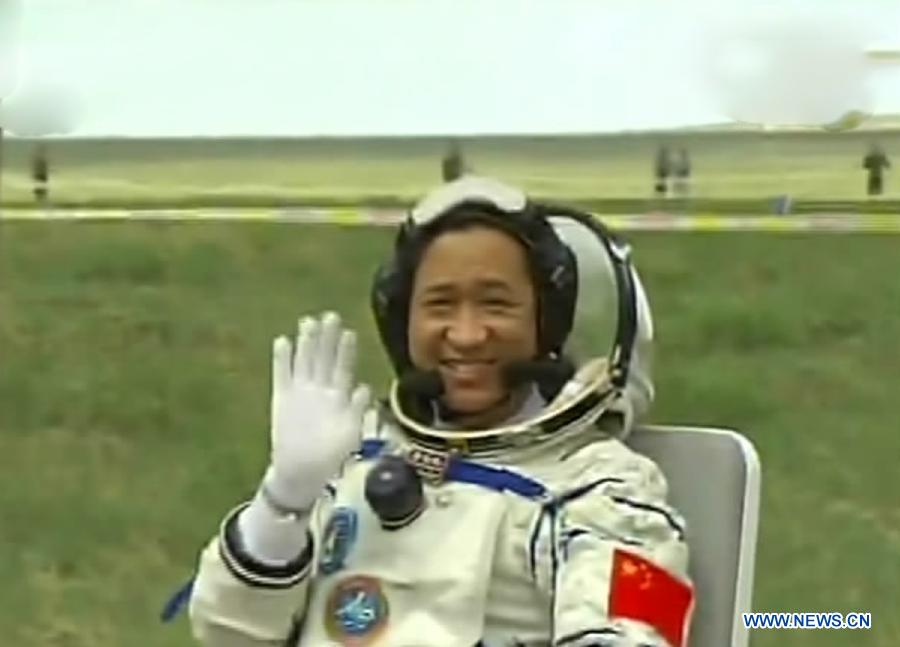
x: 714, y: 482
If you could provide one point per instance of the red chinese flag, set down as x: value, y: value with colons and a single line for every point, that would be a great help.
x: 643, y: 591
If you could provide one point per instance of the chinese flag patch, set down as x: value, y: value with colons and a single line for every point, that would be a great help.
x: 643, y: 591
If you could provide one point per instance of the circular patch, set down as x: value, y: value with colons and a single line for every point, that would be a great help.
x: 356, y: 611
x: 337, y: 540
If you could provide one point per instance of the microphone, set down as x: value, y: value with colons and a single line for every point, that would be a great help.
x: 548, y: 374
x: 417, y: 390
x: 429, y: 385
x: 423, y: 384
x: 418, y: 387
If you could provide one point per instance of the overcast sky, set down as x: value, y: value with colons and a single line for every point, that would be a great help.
x: 335, y: 67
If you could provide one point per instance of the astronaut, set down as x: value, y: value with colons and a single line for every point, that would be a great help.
x: 490, y: 500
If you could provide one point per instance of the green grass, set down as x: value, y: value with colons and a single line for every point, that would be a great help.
x: 744, y: 166
x: 134, y: 363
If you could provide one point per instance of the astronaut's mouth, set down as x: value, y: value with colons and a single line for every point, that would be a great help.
x: 466, y: 368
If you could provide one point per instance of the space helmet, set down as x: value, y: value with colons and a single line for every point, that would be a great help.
x: 594, y: 328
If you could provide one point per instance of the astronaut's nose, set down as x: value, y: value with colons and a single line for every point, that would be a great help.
x: 466, y: 330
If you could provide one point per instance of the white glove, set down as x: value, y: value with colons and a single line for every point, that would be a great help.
x: 316, y: 422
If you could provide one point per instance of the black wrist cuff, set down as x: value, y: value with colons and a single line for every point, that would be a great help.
x: 253, y: 572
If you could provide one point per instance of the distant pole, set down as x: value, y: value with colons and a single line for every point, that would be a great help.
x: 1, y: 170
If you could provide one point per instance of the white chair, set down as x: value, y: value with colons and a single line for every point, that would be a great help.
x: 714, y: 482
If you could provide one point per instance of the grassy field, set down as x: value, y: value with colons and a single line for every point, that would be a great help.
x: 727, y: 165
x: 134, y: 362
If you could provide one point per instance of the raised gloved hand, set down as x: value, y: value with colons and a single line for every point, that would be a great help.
x: 316, y: 420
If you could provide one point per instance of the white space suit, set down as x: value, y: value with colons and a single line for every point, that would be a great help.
x: 523, y: 556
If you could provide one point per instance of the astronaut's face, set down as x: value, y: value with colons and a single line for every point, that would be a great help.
x: 472, y: 311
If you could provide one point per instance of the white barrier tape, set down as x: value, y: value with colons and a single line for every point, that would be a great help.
x: 878, y: 223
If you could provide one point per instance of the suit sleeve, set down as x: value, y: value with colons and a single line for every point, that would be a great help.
x: 239, y: 601
x: 615, y: 559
